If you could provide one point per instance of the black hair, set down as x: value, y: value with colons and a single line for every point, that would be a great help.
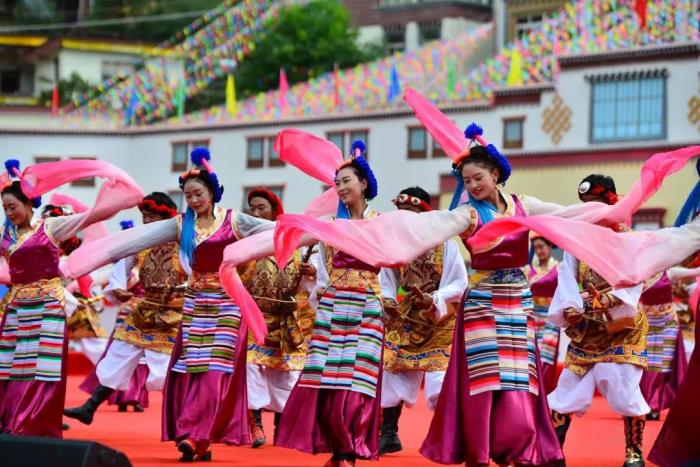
x: 547, y: 242
x: 15, y: 190
x: 203, y: 177
x: 417, y: 192
x: 605, y: 181
x: 367, y: 193
x: 480, y: 157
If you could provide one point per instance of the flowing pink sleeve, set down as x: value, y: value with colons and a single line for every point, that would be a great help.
x: 118, y: 191
x: 91, y: 232
x: 446, y: 132
x: 315, y: 156
x: 623, y: 259
x: 390, y: 240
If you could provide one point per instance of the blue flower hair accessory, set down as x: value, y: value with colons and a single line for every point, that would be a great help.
x: 126, y: 224
x: 357, y: 161
x: 200, y: 157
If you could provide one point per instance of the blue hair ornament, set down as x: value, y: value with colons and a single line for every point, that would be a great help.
x: 502, y: 161
x: 11, y: 164
x: 358, y: 144
x: 472, y: 131
x: 199, y: 154
x: 126, y: 224
x: 692, y: 203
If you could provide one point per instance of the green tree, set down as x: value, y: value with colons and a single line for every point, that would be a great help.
x: 307, y: 40
x: 67, y: 89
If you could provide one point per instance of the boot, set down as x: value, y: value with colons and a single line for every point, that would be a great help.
x: 188, y: 449
x: 389, y: 441
x: 278, y: 417
x: 85, y: 412
x: 257, y: 434
x: 561, y: 423
x: 634, y: 432
x: 653, y: 416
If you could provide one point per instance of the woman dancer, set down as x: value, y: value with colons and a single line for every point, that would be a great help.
x: 542, y: 274
x: 205, y: 390
x: 33, y: 329
x: 335, y: 405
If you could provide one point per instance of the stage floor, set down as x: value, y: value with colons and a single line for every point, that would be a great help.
x: 594, y: 440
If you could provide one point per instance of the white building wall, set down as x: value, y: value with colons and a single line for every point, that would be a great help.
x: 88, y: 64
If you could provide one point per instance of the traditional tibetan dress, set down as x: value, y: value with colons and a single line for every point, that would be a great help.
x: 335, y: 405
x: 543, y: 284
x: 33, y: 344
x: 418, y: 342
x: 205, y: 391
x: 274, y: 367
x: 666, y: 363
x: 495, y: 383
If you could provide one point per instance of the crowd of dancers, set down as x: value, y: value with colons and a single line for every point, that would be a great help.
x: 334, y: 325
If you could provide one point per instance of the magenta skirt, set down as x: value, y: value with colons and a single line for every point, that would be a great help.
x: 34, y: 408
x: 135, y: 394
x: 659, y: 389
x: 506, y: 426
x: 330, y: 420
x: 678, y: 442
x: 210, y: 406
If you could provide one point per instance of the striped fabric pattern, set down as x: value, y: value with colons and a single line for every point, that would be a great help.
x: 346, y: 345
x: 661, y: 343
x: 499, y: 334
x: 547, y: 335
x: 210, y: 326
x: 31, y: 342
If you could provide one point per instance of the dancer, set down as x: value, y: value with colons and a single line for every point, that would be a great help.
x: 274, y: 367
x: 608, y: 340
x: 33, y: 344
x: 542, y: 274
x: 335, y: 405
x: 666, y: 359
x: 150, y: 327
x: 205, y: 391
x: 419, y: 328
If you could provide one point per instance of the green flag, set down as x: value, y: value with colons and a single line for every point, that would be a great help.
x: 180, y: 99
x: 451, y: 78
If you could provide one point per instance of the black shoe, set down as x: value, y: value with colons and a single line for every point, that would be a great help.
x: 122, y: 408
x: 561, y: 423
x: 389, y: 441
x: 86, y: 412
x: 186, y: 447
x: 654, y: 416
x: 65, y: 427
x: 138, y: 408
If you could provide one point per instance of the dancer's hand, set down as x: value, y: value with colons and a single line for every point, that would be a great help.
x: 573, y: 316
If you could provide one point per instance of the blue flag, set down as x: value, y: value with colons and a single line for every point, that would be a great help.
x: 131, y: 109
x: 394, y: 86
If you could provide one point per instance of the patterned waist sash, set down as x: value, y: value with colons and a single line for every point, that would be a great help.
x: 210, y: 326
x: 32, y: 339
x: 346, y: 345
x: 661, y: 343
x: 499, y: 333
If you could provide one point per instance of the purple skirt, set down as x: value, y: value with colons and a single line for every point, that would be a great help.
x: 135, y: 394
x: 659, y: 389
x: 34, y: 408
x: 207, y: 407
x: 331, y: 420
x: 506, y: 426
x: 678, y: 442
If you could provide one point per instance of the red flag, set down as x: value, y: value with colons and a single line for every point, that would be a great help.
x: 336, y: 86
x: 84, y: 283
x: 54, y: 101
x: 640, y: 7
x: 283, y: 89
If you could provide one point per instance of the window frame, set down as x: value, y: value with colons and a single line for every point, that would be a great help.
x: 44, y: 159
x: 415, y: 153
x: 341, y: 133
x: 270, y: 149
x: 514, y: 144
x: 255, y: 163
x: 177, y: 167
x: 622, y: 78
x: 87, y: 182
x: 437, y: 151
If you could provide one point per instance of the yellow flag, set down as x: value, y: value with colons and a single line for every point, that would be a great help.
x: 231, y: 96
x: 515, y: 73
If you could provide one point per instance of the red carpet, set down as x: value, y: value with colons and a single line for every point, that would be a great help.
x: 594, y: 440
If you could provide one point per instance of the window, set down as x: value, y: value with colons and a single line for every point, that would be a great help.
x: 513, y: 132
x: 628, y: 108
x: 362, y: 135
x: 648, y: 219
x: 525, y: 24
x: 85, y: 182
x: 9, y: 81
x: 417, y: 143
x: 272, y: 156
x: 181, y: 153
x: 42, y: 159
x: 437, y: 150
x: 255, y: 153
x: 178, y: 197
x: 337, y: 138
x: 395, y: 39
x: 276, y: 189
x: 429, y: 31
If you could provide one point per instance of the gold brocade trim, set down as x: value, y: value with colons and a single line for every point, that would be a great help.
x: 473, y: 221
x: 273, y: 358
x: 204, y: 281
x: 631, y: 354
x: 45, y: 287
x: 656, y: 311
x: 354, y: 278
x: 436, y: 360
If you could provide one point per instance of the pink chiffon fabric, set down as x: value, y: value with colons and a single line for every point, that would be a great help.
x: 678, y: 442
x: 294, y: 147
x: 92, y: 232
x: 506, y: 426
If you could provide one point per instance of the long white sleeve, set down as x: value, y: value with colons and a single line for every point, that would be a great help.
x: 389, y: 283
x: 630, y: 300
x: 71, y: 303
x: 322, y: 277
x: 567, y: 294
x: 453, y: 281
x: 119, y: 277
x: 679, y: 272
